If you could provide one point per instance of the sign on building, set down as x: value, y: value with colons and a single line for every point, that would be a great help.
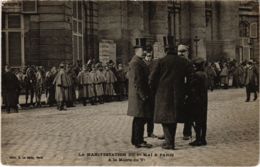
x: 158, y: 50
x: 107, y: 51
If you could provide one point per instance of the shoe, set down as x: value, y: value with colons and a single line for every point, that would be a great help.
x: 247, y: 100
x: 195, y: 143
x: 161, y: 137
x: 186, y: 137
x: 168, y: 147
x: 152, y: 135
x: 255, y: 98
x: 203, y: 142
x: 144, y: 145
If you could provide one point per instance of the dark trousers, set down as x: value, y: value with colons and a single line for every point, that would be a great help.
x: 138, y: 130
x: 200, y: 130
x: 249, y: 90
x: 150, y: 126
x: 169, y: 131
x: 31, y: 90
x: 187, y: 129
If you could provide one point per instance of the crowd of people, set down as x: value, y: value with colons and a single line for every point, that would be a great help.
x: 92, y: 83
x: 229, y: 73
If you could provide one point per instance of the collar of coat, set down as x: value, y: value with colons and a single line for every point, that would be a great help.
x: 139, y: 60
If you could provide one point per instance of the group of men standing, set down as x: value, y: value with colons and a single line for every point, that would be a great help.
x: 173, y: 90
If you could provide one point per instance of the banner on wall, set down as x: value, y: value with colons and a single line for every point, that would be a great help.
x: 158, y: 50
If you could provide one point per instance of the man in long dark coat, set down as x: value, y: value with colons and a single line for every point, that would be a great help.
x: 168, y: 81
x: 138, y: 96
x: 10, y: 89
x: 251, y: 80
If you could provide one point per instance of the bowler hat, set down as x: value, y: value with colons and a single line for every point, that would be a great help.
x: 140, y: 43
x: 198, y: 60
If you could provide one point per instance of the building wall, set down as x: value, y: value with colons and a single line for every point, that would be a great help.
x: 48, y: 33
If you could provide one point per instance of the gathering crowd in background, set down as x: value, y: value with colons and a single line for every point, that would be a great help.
x: 97, y: 83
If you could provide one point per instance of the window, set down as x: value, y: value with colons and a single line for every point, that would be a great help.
x: 77, y: 30
x: 14, y: 21
x: 29, y: 6
x: 244, y: 29
x: 12, y: 40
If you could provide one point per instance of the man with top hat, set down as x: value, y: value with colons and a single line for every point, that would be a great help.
x: 138, y: 105
x: 168, y: 81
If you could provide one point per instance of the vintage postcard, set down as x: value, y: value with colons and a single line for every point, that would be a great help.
x: 130, y: 83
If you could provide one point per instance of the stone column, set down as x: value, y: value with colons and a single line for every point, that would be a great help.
x: 198, y: 28
x: 159, y: 19
x: 112, y: 24
x: 229, y: 27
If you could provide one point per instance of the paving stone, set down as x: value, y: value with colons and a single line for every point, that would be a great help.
x: 59, y: 137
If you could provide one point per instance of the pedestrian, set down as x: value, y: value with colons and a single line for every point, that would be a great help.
x: 224, y: 76
x: 150, y: 65
x: 198, y: 101
x: 112, y: 67
x: 50, y: 87
x: 121, y: 82
x: 30, y: 83
x: 138, y: 106
x: 251, y: 80
x: 168, y: 80
x: 183, y: 51
x: 72, y: 77
x: 99, y: 79
x: 20, y: 76
x: 61, y: 87
x: 39, y: 86
x: 10, y: 87
x: 211, y: 75
x: 110, y: 79
x: 83, y: 78
x: 91, y: 84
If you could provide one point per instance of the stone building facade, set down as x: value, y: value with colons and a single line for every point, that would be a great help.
x: 48, y: 32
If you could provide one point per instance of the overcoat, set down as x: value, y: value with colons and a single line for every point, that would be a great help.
x: 138, y: 103
x: 72, y: 77
x: 99, y: 80
x: 197, y: 101
x: 168, y: 81
x: 109, y: 84
x: 91, y: 84
x: 83, y: 78
x: 62, y: 84
x: 10, y: 87
x: 251, y: 79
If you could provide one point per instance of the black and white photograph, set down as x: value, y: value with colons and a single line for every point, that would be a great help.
x: 130, y: 82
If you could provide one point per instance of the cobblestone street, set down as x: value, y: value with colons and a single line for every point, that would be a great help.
x: 49, y: 137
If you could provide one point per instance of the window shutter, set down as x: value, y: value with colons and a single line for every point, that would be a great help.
x: 29, y: 6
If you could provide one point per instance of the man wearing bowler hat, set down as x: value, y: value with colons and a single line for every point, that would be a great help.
x: 138, y: 103
x: 167, y: 79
